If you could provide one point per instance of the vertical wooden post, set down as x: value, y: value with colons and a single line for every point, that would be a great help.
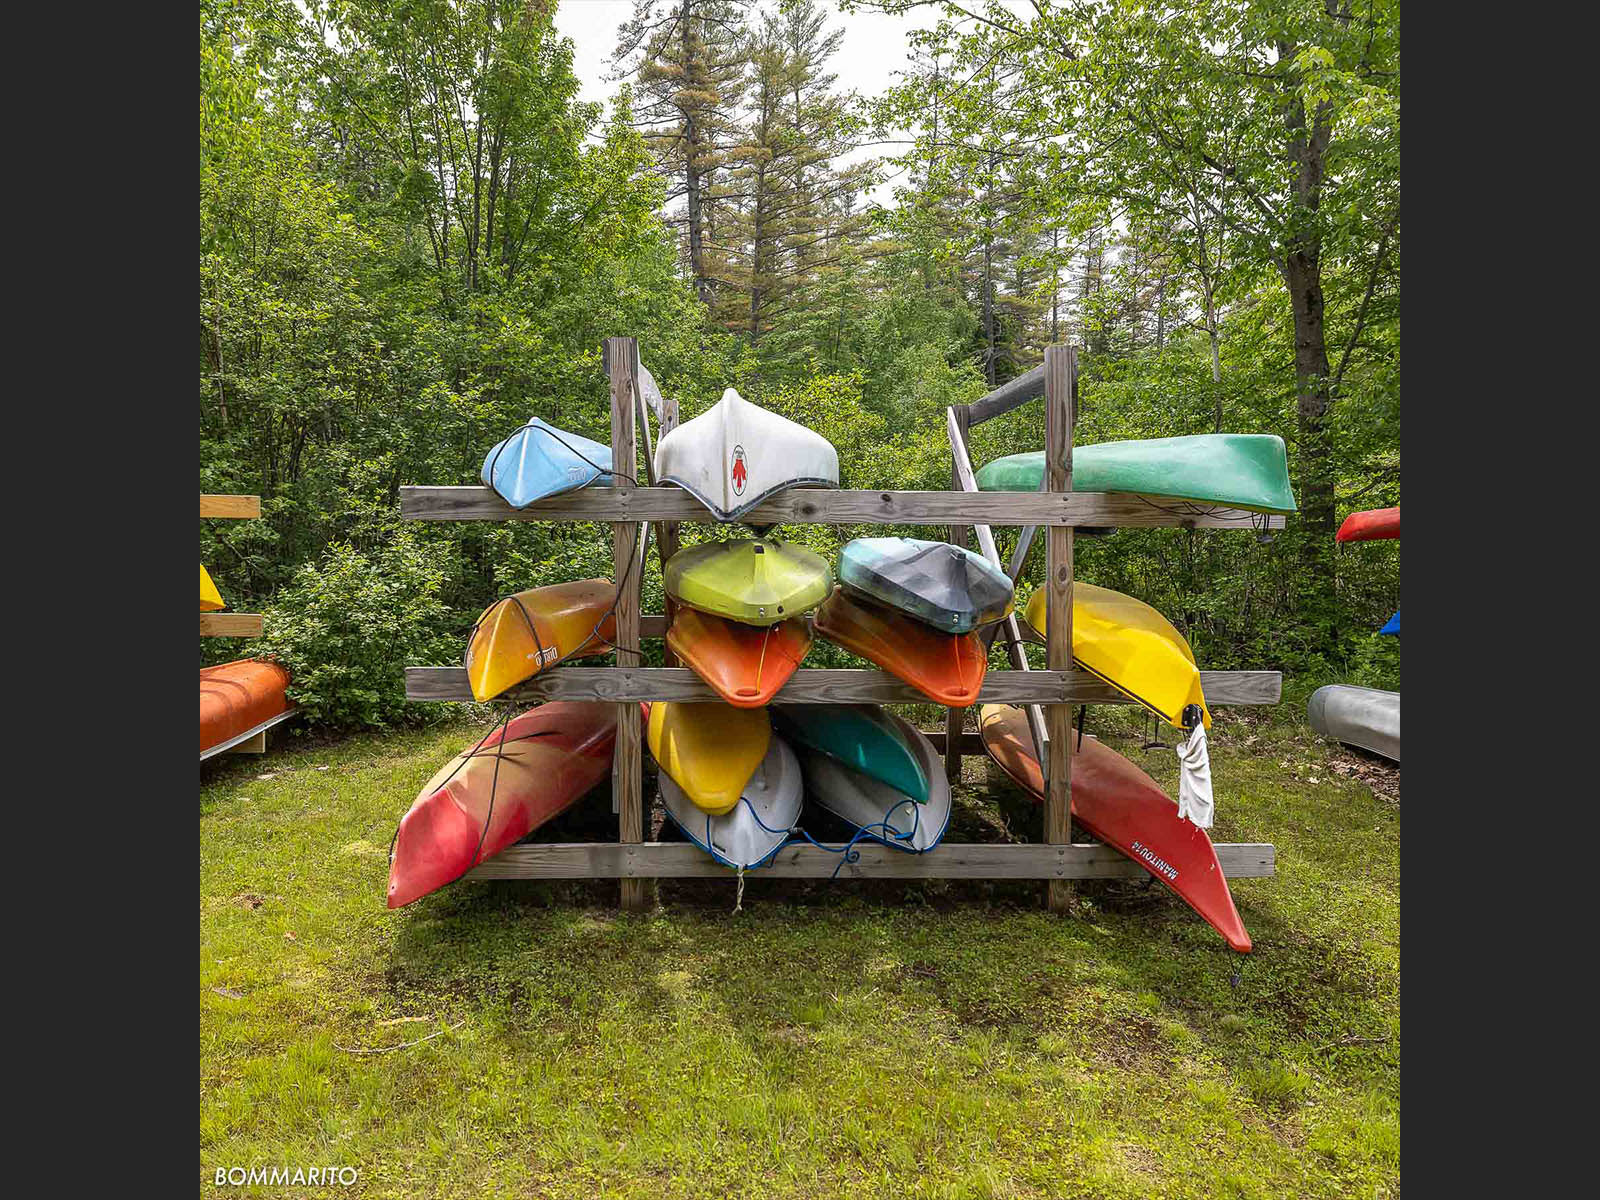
x: 622, y: 365
x: 1060, y: 400
x: 955, y: 718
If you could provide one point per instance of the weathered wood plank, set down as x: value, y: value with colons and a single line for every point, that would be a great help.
x: 243, y: 507
x: 622, y: 365
x: 811, y: 686
x: 950, y: 860
x: 231, y: 624
x: 1060, y: 370
x: 1009, y: 395
x: 824, y: 506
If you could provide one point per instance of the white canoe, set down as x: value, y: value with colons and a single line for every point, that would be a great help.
x: 1358, y: 716
x: 735, y: 454
x: 881, y: 812
x: 749, y: 833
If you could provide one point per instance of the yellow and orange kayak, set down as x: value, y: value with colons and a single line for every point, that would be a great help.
x: 710, y: 750
x: 210, y: 598
x: 1133, y: 648
x: 521, y: 635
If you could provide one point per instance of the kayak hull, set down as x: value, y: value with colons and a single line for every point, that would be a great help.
x: 755, y: 581
x: 710, y: 750
x: 937, y: 583
x: 749, y: 834
x: 235, y: 697
x: 1370, y: 525
x: 517, y: 637
x: 736, y: 454
x: 1238, y: 470
x: 1123, y: 807
x: 499, y: 790
x: 948, y: 668
x: 1131, y: 646
x: 875, y: 809
x: 1392, y: 625
x: 861, y: 736
x: 744, y: 664
x: 540, y: 460
x: 210, y: 598
x: 1358, y: 716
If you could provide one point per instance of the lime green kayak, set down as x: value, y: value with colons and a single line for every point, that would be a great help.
x: 757, y: 581
x: 1239, y: 470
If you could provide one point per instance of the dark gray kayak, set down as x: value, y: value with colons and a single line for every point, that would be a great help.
x: 938, y: 583
x: 1358, y: 716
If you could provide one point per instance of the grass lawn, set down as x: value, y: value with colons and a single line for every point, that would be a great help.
x: 861, y: 1039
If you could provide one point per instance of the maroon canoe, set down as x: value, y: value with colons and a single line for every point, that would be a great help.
x: 1126, y: 809
x: 499, y: 790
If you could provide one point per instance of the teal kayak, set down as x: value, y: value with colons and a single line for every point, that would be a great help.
x: 862, y: 736
x: 1238, y: 470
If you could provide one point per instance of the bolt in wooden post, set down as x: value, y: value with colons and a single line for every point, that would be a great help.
x: 1060, y: 401
x: 955, y: 718
x: 622, y: 365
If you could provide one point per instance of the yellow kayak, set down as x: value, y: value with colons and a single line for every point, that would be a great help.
x: 710, y: 750
x: 1132, y: 647
x: 210, y: 598
x: 520, y: 636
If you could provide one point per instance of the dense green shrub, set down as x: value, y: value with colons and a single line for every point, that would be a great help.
x: 347, y: 626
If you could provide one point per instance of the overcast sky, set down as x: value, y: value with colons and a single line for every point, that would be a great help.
x: 873, y: 49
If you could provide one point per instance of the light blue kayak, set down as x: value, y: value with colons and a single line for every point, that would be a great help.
x: 1394, y: 624
x: 540, y: 460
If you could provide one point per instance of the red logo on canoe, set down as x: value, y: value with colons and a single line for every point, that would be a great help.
x: 740, y: 474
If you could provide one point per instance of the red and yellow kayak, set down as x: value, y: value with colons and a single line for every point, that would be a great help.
x: 948, y: 668
x: 546, y: 759
x: 1123, y: 807
x: 521, y: 635
x: 1370, y: 525
x: 236, y: 697
x: 745, y: 664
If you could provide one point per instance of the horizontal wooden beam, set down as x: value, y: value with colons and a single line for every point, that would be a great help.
x: 832, y: 686
x: 245, y: 507
x: 1009, y: 395
x: 230, y: 624
x: 824, y: 506
x: 950, y: 860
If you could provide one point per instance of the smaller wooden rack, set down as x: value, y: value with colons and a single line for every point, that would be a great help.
x: 236, y: 625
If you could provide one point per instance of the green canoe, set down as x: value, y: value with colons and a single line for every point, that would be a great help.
x: 1239, y: 470
x: 759, y: 581
x: 862, y: 737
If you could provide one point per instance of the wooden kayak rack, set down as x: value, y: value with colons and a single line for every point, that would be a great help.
x: 236, y: 625
x: 1055, y: 508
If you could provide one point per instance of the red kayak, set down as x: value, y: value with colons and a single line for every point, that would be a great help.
x: 946, y: 667
x: 236, y: 697
x: 547, y: 759
x: 1124, y: 808
x: 1371, y: 525
x: 745, y: 664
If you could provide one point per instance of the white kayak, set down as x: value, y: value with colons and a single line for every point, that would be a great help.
x: 736, y: 454
x: 749, y: 833
x: 876, y: 809
x: 1358, y: 716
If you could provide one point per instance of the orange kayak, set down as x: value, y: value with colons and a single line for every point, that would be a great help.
x: 946, y: 667
x: 236, y: 697
x: 745, y: 664
x: 1127, y: 810
x: 521, y: 635
x: 499, y: 790
x: 1371, y: 525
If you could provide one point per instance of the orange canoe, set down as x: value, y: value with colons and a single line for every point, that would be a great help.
x: 499, y: 790
x: 236, y: 697
x: 946, y: 667
x: 745, y: 664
